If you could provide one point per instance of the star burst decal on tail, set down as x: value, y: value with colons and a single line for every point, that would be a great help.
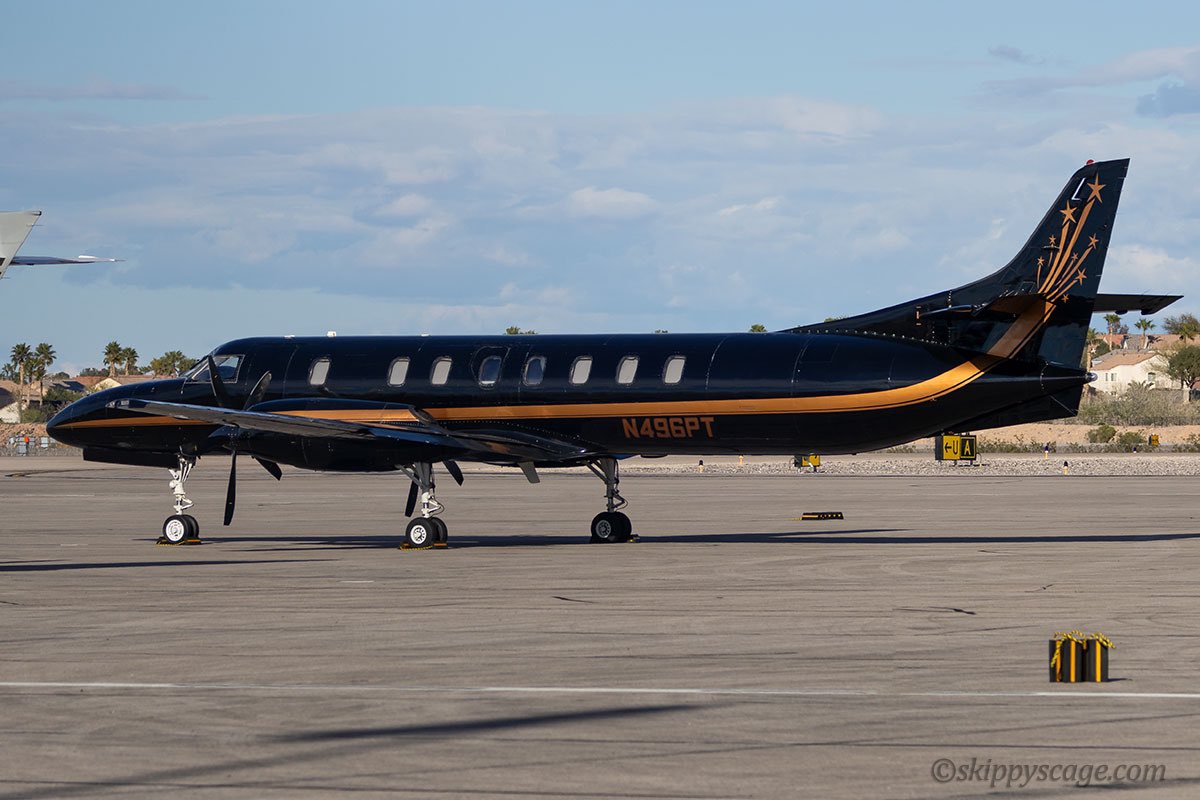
x: 1066, y: 268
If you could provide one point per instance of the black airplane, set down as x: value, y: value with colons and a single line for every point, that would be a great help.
x: 1005, y: 349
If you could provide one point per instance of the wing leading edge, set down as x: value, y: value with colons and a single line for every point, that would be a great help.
x: 407, y: 426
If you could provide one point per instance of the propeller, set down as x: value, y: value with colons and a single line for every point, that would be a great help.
x: 221, y: 394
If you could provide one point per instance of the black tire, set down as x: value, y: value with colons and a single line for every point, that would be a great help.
x: 193, y: 526
x: 624, y: 526
x: 420, y: 532
x: 605, y: 527
x: 176, y: 528
x: 441, y: 531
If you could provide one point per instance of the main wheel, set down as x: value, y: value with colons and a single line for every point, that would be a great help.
x: 193, y: 526
x: 606, y: 527
x: 441, y: 531
x: 176, y: 528
x: 420, y: 532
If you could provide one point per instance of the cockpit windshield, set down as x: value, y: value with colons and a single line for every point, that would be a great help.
x: 227, y: 369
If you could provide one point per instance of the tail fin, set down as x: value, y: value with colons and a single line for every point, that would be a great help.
x: 1037, y: 307
x: 14, y: 228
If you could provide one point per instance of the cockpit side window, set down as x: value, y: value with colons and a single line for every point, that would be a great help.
x: 227, y: 369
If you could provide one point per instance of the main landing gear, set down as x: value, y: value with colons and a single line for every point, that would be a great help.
x: 426, y: 530
x: 181, y: 528
x: 610, y: 525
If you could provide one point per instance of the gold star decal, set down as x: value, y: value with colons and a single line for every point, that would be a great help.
x: 1093, y: 241
x: 1095, y: 186
x: 1081, y: 276
x: 1068, y: 214
x: 1053, y: 240
x: 1041, y: 261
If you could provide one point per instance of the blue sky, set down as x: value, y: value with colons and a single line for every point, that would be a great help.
x: 389, y: 167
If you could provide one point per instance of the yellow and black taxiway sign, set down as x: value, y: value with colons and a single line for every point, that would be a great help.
x: 954, y: 447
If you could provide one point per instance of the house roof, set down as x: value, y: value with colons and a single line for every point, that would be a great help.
x: 1123, y: 359
x: 89, y: 380
x: 125, y: 380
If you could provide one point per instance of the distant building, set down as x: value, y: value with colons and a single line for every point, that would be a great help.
x: 10, y: 409
x: 119, y: 380
x: 1116, y: 371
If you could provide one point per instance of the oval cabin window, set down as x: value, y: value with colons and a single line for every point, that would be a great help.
x: 535, y: 370
x: 318, y: 372
x: 440, y: 372
x: 398, y: 372
x: 489, y: 371
x: 581, y: 370
x: 673, y: 371
x: 626, y: 370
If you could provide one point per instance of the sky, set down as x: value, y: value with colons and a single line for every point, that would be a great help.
x: 269, y: 168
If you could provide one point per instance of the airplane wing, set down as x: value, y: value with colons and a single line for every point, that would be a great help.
x: 14, y: 229
x: 41, y: 261
x: 497, y: 446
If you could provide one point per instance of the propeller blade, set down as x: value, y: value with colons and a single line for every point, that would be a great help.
x: 271, y: 467
x: 412, y: 500
x: 455, y: 472
x: 258, y: 392
x: 231, y: 492
x: 218, y: 385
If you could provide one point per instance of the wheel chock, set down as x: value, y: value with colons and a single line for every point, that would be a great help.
x: 407, y: 546
x: 809, y: 515
x: 162, y: 540
x: 441, y: 545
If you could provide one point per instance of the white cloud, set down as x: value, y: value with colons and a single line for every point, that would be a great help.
x: 613, y: 204
x: 765, y: 204
x: 408, y: 205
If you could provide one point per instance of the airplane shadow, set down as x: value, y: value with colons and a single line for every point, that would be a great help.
x: 870, y: 536
x: 327, y: 745
x: 73, y: 565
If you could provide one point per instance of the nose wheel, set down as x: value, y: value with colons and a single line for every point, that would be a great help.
x: 180, y: 528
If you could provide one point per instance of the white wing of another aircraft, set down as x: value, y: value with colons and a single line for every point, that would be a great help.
x: 14, y: 228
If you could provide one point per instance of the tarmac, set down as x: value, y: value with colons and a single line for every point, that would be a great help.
x: 734, y: 652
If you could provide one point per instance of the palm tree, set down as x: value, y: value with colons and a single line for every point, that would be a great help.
x: 43, y: 357
x: 129, y: 357
x: 1114, y: 322
x: 758, y: 328
x: 112, y: 356
x: 1145, y: 326
x: 1185, y: 326
x: 1093, y: 339
x: 21, y: 356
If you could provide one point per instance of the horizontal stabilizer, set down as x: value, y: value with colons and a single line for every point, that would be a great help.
x: 1144, y: 304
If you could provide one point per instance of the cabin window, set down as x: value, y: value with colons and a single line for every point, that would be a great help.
x: 489, y: 371
x: 318, y: 372
x: 581, y: 369
x: 227, y: 369
x: 673, y: 370
x: 398, y: 372
x: 535, y: 370
x: 627, y: 369
x: 440, y: 372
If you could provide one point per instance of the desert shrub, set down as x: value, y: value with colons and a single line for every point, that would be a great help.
x: 1102, y: 434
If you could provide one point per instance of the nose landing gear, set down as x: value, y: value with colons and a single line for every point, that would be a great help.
x: 181, y: 528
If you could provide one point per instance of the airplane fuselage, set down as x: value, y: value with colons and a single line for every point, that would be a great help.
x: 656, y: 394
